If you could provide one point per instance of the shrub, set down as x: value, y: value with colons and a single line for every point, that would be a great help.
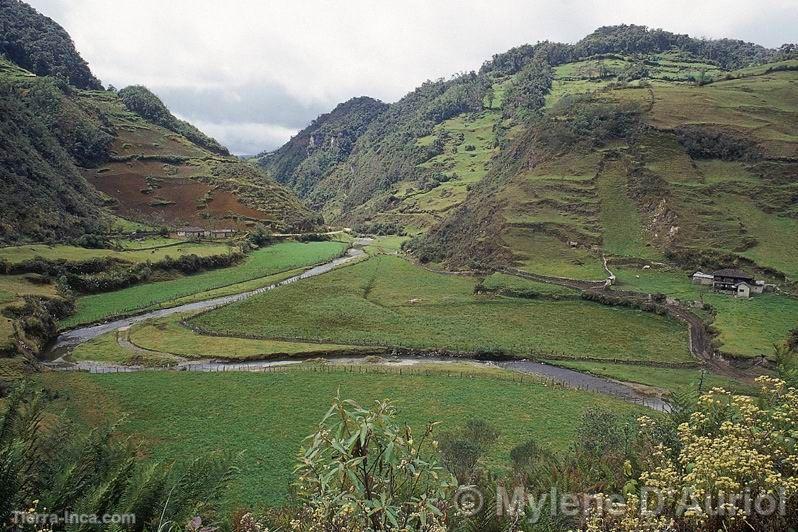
x: 362, y: 471
x: 705, y: 143
x: 461, y: 450
x: 730, y: 445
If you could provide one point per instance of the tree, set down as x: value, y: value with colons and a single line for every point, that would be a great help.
x: 363, y: 471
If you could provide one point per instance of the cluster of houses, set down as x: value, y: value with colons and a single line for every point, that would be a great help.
x: 198, y: 233
x: 731, y: 281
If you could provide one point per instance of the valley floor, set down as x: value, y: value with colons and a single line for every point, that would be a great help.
x: 367, y: 307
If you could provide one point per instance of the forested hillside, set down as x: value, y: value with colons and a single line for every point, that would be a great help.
x: 38, y: 44
x: 77, y: 159
x: 631, y: 143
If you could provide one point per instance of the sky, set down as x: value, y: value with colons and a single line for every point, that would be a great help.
x: 252, y: 73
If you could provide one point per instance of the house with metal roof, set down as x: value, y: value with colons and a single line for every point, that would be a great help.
x: 736, y: 282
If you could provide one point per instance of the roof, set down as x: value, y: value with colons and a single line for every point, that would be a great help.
x: 191, y: 229
x: 702, y: 274
x: 731, y: 272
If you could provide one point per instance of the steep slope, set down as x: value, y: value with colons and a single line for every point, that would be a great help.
x: 701, y: 172
x: 38, y: 44
x: 327, y: 141
x: 385, y: 153
x: 632, y: 144
x: 44, y: 135
x: 415, y: 162
x: 73, y: 159
x: 161, y: 176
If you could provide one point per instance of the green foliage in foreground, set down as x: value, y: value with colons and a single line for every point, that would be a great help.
x: 52, y: 468
x: 388, y: 301
x: 267, y: 261
x: 178, y: 416
x: 362, y: 470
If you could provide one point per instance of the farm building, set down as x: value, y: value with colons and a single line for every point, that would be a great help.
x: 192, y: 232
x: 703, y: 278
x: 222, y: 233
x: 197, y: 233
x: 736, y: 282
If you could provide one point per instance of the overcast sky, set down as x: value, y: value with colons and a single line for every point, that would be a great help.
x: 253, y: 72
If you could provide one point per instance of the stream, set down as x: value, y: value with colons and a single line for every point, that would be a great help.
x: 53, y: 357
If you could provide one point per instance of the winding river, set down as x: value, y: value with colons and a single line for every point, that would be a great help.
x: 53, y: 357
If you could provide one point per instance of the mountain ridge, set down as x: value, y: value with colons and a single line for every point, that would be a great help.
x: 552, y: 143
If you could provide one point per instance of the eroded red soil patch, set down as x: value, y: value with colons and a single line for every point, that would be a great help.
x: 145, y: 192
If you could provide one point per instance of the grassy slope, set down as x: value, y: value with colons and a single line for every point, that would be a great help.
x: 386, y: 300
x: 12, y: 289
x: 747, y: 328
x: 711, y: 205
x: 261, y: 263
x: 624, y: 234
x: 267, y: 415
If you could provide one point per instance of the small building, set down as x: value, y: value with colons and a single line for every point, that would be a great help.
x: 703, y: 278
x: 736, y: 282
x: 192, y: 232
x: 743, y: 290
x: 728, y: 279
x: 222, y: 233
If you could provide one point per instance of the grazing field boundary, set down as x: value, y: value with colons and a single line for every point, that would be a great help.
x: 433, y: 369
x: 393, y: 350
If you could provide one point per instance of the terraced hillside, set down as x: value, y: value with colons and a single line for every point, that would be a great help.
x: 159, y: 175
x: 74, y: 157
x: 702, y: 174
x: 633, y: 144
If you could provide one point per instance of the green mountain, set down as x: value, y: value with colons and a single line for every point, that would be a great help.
x: 77, y: 159
x: 38, y: 44
x: 631, y: 144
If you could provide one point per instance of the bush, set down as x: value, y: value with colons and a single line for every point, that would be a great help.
x: 730, y: 445
x: 362, y: 471
x: 705, y: 143
x: 380, y: 228
x: 461, y: 450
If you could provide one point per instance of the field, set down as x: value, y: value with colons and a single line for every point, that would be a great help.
x: 140, y: 251
x: 747, y: 327
x: 671, y: 380
x: 388, y: 301
x: 267, y: 415
x: 261, y: 263
x: 156, y: 341
x: 623, y: 233
x: 500, y: 281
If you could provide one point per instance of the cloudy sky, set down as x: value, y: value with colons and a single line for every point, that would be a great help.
x: 253, y: 72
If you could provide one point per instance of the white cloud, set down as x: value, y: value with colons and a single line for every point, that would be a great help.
x: 320, y: 52
x: 247, y: 138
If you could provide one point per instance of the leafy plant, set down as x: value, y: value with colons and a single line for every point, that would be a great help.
x: 363, y: 471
